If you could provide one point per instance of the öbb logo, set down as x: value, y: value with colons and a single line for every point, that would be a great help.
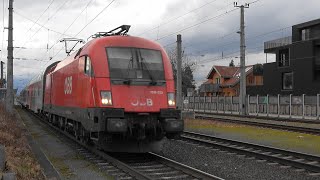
x: 141, y: 102
x: 68, y: 85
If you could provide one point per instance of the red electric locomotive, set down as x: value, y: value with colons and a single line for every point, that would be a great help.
x: 117, y: 91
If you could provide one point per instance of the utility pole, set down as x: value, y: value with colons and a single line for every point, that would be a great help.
x: 1, y: 70
x: 9, y: 100
x: 242, y: 98
x: 1, y: 78
x: 179, y: 74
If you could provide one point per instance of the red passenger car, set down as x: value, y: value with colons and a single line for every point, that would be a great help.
x: 117, y: 90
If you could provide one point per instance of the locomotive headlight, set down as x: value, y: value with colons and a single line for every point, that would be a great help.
x: 171, y: 99
x: 106, y: 98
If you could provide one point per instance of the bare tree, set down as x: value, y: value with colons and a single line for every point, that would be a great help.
x: 188, y: 67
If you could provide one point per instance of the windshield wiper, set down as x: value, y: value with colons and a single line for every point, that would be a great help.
x: 128, y: 80
x: 153, y: 82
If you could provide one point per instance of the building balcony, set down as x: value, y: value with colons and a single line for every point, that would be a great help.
x: 271, y: 45
x: 210, y: 88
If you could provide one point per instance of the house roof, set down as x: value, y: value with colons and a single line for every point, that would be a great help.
x: 223, y: 71
x: 231, y: 73
x: 209, y: 81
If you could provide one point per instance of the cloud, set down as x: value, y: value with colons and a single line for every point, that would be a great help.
x: 214, y: 36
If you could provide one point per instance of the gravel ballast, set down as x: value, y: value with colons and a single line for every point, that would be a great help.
x: 229, y: 165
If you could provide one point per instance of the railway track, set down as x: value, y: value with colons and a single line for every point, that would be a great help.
x: 298, y: 160
x: 158, y: 167
x: 261, y: 124
x: 124, y: 166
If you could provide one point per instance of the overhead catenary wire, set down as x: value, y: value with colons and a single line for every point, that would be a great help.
x: 169, y: 44
x: 107, y: 6
x: 40, y: 16
x: 218, y: 16
x: 201, y: 23
x: 157, y: 26
x: 85, y: 27
x: 220, y: 37
x: 178, y: 17
x: 27, y: 59
x: 231, y: 55
x: 41, y: 25
x: 237, y: 41
x: 95, y: 17
x: 249, y: 38
x: 72, y: 23
x: 253, y: 37
x: 78, y: 33
x: 197, y: 24
x: 57, y: 10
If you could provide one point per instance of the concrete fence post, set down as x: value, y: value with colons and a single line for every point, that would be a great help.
x: 248, y: 105
x: 231, y: 104
x: 194, y: 103
x: 290, y: 105
x: 205, y: 103
x: 211, y: 103
x: 303, y: 106
x: 239, y: 111
x: 217, y: 104
x: 257, y: 108
x: 318, y: 114
x: 224, y: 104
x: 278, y: 105
x: 267, y: 109
x: 199, y: 103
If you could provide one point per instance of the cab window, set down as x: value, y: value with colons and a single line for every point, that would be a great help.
x: 88, y: 66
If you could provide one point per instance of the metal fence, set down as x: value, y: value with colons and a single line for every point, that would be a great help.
x: 287, y: 106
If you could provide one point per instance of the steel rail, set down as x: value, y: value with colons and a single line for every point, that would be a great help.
x: 296, y: 159
x: 136, y: 172
x: 186, y: 169
x: 118, y: 164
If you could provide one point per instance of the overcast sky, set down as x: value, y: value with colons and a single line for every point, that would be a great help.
x: 208, y: 27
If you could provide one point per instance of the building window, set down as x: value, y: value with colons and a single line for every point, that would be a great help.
x: 217, y: 80
x: 287, y: 81
x: 284, y: 57
x: 251, y: 80
x: 305, y: 34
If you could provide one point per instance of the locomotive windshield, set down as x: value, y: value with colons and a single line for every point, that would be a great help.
x: 135, y: 64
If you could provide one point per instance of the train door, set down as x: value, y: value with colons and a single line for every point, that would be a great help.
x: 86, y: 80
